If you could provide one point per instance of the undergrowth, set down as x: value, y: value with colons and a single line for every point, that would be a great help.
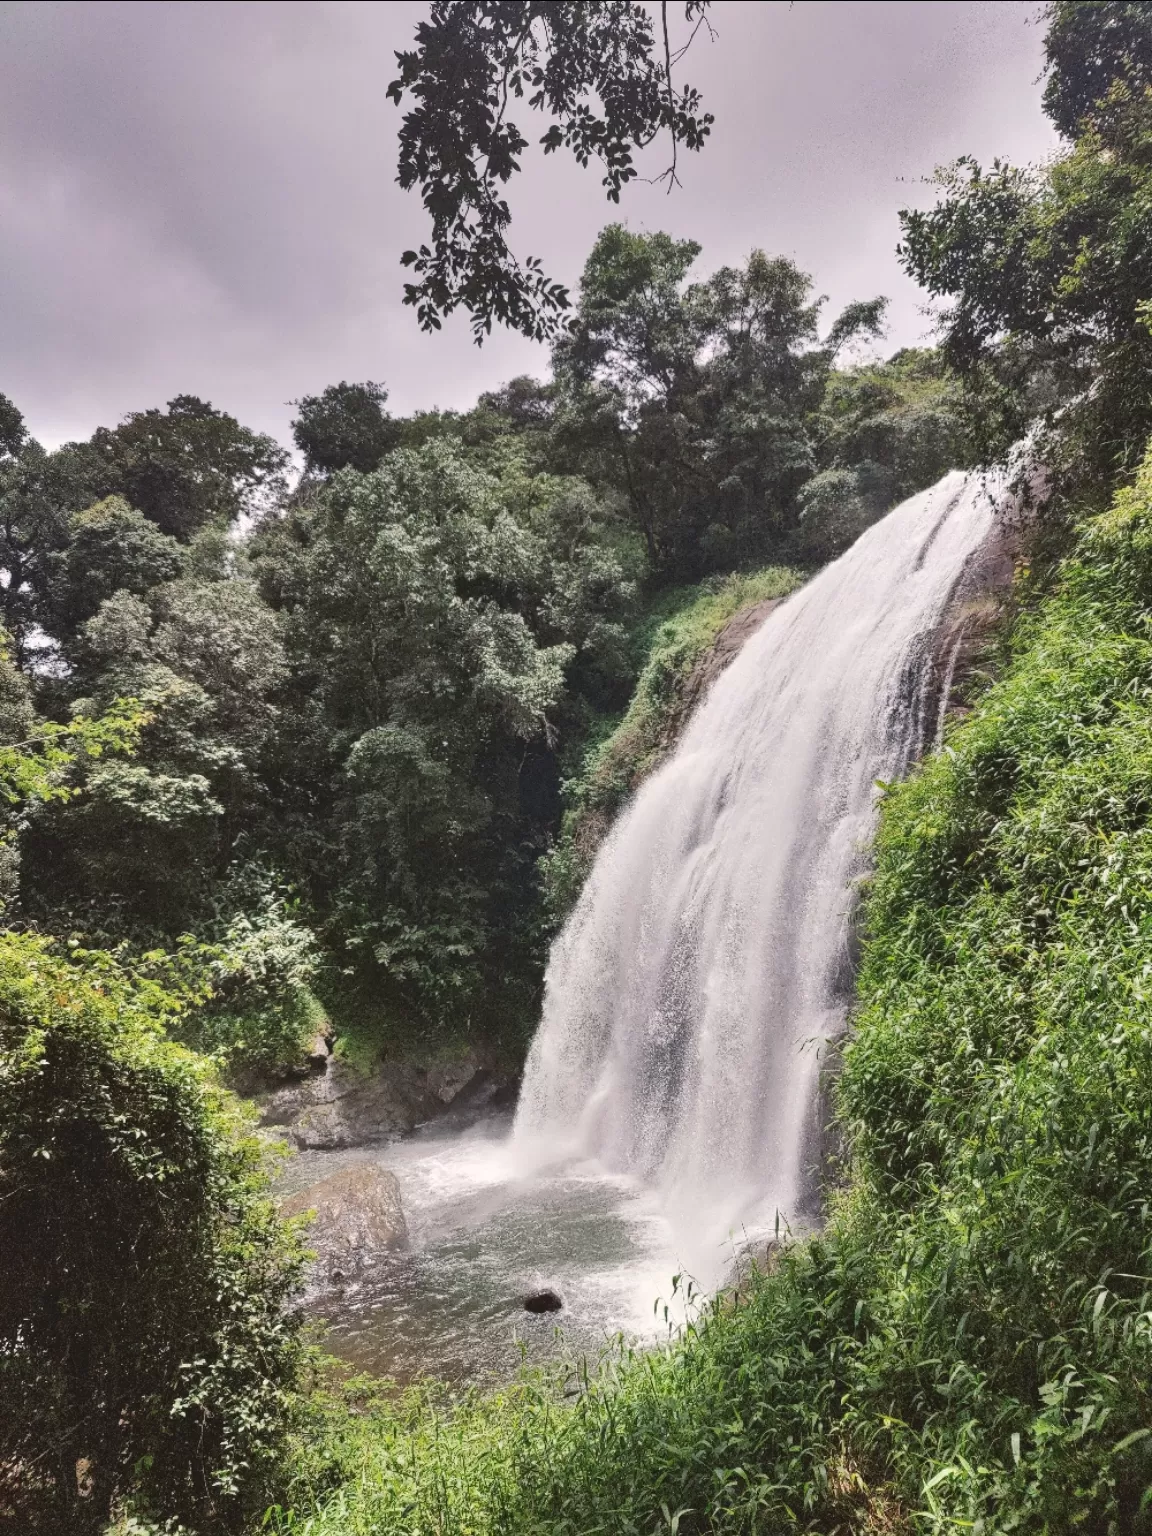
x: 969, y: 1343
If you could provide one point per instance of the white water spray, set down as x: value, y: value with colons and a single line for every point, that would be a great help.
x: 710, y: 951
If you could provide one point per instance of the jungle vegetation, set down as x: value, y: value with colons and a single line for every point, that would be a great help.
x: 245, y: 712
x: 966, y: 1345
x: 286, y: 752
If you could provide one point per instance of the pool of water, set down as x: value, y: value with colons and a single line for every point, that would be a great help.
x: 482, y: 1238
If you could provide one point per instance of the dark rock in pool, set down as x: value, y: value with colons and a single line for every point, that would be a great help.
x: 543, y: 1301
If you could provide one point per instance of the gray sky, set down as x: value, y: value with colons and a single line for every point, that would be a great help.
x: 200, y: 198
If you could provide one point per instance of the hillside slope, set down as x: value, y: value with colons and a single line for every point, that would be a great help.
x: 690, y: 636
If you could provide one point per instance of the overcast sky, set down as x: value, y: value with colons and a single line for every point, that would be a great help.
x: 200, y: 198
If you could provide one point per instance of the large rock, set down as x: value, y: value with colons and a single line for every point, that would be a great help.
x: 358, y: 1215
x: 340, y: 1107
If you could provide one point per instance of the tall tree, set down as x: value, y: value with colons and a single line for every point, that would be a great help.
x: 436, y: 614
x: 111, y: 548
x: 33, y: 529
x: 183, y: 467
x: 696, y: 399
x: 144, y: 851
x: 884, y: 431
x: 111, y: 513
x: 344, y: 427
x: 1090, y: 48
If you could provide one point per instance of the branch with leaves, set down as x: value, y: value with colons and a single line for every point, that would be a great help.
x: 603, y: 76
x: 36, y: 769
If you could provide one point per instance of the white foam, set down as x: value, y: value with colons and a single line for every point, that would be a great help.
x: 706, y: 960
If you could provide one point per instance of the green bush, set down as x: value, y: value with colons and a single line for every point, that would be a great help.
x: 147, y: 1353
x: 999, y: 1086
x: 262, y: 1012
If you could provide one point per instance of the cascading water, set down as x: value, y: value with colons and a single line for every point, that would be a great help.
x: 708, y: 954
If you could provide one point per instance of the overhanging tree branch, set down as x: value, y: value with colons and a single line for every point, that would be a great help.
x: 594, y: 69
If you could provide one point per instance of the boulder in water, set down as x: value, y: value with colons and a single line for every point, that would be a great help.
x: 543, y: 1301
x: 358, y: 1215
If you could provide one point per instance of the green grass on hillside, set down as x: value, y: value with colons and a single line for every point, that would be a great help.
x: 679, y: 629
x: 969, y: 1344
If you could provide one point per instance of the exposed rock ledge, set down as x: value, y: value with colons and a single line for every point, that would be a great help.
x: 721, y: 653
x: 340, y: 1107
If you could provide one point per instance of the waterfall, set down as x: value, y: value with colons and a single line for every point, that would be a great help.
x: 710, y: 954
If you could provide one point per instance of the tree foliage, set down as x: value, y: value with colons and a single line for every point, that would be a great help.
x: 885, y: 430
x: 146, y: 1350
x: 111, y: 548
x: 1047, y: 271
x: 697, y: 402
x: 183, y: 467
x: 1089, y: 49
x: 344, y: 427
x: 33, y: 530
x: 602, y: 74
x: 144, y: 848
x: 435, y: 613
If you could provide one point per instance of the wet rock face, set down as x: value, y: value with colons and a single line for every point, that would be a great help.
x: 338, y: 1107
x: 318, y: 1052
x: 974, y: 611
x: 721, y: 653
x: 358, y: 1215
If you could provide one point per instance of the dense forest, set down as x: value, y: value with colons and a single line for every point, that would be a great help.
x: 297, y: 743
x: 335, y: 681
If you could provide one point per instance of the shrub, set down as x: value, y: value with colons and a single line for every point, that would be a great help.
x: 262, y: 1012
x: 146, y: 1351
x: 998, y: 1087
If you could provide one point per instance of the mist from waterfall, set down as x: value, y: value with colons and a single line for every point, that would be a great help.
x: 710, y: 954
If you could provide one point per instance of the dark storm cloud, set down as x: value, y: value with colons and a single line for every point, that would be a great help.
x: 201, y: 197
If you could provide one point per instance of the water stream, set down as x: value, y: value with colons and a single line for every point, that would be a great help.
x: 669, y: 1108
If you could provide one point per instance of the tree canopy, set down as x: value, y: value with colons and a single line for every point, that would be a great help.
x: 698, y: 402
x: 1093, y: 51
x: 344, y: 427
x: 1047, y: 271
